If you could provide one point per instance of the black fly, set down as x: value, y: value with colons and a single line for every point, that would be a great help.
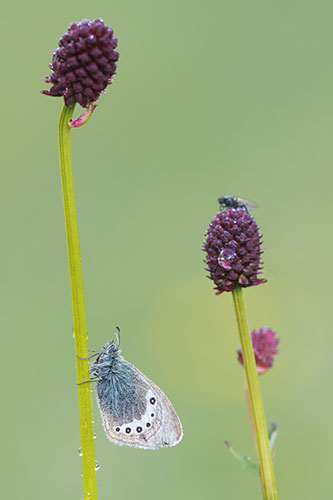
x: 233, y: 202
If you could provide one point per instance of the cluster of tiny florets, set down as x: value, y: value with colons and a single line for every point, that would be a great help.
x: 84, y: 63
x: 233, y: 250
x: 265, y: 345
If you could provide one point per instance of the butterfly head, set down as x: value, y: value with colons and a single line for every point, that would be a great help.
x: 108, y: 358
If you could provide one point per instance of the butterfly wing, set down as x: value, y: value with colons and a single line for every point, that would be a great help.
x: 136, y: 412
x: 168, y: 430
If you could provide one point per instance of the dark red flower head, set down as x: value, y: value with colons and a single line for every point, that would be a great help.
x: 233, y: 250
x: 265, y: 348
x: 84, y: 63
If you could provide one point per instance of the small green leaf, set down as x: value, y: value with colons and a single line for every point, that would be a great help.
x: 245, y: 461
x: 272, y: 435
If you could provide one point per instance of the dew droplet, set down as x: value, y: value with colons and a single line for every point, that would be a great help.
x: 95, y: 435
x: 80, y: 452
x: 226, y: 258
x: 97, y: 466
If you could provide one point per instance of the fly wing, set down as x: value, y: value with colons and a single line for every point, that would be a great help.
x: 251, y: 205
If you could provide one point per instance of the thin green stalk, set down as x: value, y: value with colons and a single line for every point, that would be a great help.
x: 79, y: 319
x: 268, y: 484
x: 249, y: 413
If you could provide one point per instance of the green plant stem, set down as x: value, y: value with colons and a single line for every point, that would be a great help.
x: 79, y: 319
x: 268, y: 484
x: 249, y: 413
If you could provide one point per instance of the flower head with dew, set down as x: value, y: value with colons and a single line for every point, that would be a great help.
x: 233, y: 250
x: 265, y: 347
x: 84, y: 63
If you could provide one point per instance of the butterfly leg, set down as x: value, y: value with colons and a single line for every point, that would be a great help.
x: 91, y: 356
x: 86, y: 381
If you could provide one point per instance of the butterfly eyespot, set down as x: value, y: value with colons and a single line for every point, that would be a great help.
x: 139, y: 429
x: 152, y: 401
x: 147, y: 424
x: 128, y: 430
x: 117, y: 429
x: 152, y: 414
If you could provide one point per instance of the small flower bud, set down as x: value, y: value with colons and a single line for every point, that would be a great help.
x: 233, y: 250
x: 84, y: 63
x: 265, y: 348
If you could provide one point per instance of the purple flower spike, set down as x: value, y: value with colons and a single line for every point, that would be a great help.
x: 265, y: 348
x: 233, y: 250
x: 84, y: 63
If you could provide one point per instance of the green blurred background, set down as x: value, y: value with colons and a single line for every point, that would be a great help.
x: 211, y: 98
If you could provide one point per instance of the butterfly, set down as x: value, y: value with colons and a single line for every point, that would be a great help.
x: 134, y: 410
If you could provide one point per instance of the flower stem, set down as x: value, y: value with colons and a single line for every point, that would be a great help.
x: 268, y: 484
x: 249, y: 413
x: 79, y: 320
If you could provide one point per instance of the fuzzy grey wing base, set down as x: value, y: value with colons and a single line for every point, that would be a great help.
x: 122, y: 396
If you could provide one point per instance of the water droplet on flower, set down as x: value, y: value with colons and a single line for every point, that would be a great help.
x: 80, y: 452
x: 242, y: 280
x: 226, y: 258
x: 97, y: 466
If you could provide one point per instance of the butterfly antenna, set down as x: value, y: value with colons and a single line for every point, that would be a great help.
x: 117, y: 334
